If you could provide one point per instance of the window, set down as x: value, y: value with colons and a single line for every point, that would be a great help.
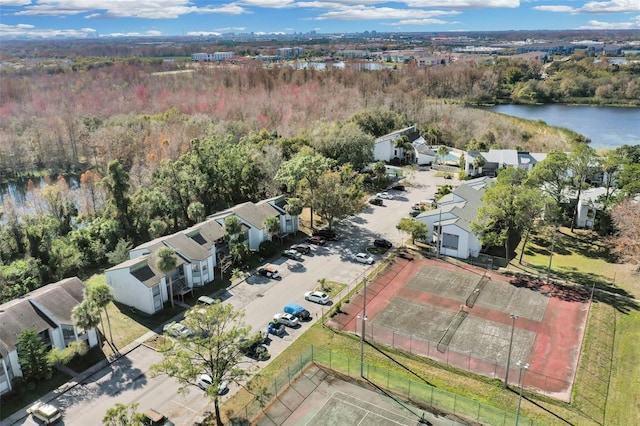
x: 450, y: 241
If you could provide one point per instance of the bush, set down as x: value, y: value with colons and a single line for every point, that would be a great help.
x: 267, y: 249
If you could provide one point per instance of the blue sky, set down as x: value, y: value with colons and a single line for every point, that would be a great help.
x: 100, y: 18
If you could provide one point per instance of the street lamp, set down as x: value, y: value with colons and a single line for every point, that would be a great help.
x: 553, y: 245
x: 524, y: 367
x: 513, y: 326
x: 364, y: 318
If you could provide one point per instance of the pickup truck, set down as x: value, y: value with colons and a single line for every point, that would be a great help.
x: 269, y: 271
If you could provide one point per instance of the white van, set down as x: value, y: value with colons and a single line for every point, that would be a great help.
x: 46, y: 413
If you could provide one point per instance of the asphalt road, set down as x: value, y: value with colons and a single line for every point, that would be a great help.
x: 126, y: 380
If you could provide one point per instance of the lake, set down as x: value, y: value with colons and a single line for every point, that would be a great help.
x: 607, y: 127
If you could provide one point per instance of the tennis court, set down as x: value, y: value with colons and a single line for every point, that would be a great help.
x: 320, y: 397
x: 474, y: 319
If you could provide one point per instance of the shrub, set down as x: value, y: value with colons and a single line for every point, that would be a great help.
x: 267, y: 249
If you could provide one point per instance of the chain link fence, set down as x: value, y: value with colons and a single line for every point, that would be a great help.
x: 416, y: 392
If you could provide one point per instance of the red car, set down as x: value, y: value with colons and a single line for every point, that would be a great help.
x: 319, y: 241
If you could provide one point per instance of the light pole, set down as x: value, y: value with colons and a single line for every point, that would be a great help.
x: 553, y: 246
x: 364, y: 318
x: 521, y: 382
x: 513, y: 326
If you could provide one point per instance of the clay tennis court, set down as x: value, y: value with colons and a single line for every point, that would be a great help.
x: 461, y: 316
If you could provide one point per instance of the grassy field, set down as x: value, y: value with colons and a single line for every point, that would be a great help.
x: 603, y: 391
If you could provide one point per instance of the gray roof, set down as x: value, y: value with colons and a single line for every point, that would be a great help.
x: 255, y: 214
x: 187, y: 247
x: 206, y: 233
x: 409, y: 131
x: 31, y: 310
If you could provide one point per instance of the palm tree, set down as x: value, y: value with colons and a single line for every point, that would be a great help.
x: 478, y: 161
x: 403, y: 143
x: 294, y: 208
x: 100, y: 294
x: 87, y: 316
x: 442, y: 151
x: 272, y: 225
x: 167, y: 262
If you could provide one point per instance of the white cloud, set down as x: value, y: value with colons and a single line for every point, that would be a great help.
x: 420, y: 22
x: 368, y: 13
x: 29, y: 31
x: 568, y: 9
x: 273, y: 4
x: 14, y: 2
x: 148, y: 9
x: 612, y: 6
x: 203, y: 33
x: 463, y: 4
x: 599, y: 25
x: 150, y: 33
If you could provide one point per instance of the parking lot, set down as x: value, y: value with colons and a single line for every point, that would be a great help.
x: 126, y: 381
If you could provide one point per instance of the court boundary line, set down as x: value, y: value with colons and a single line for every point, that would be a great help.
x: 366, y: 411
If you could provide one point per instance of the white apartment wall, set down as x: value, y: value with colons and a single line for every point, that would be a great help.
x: 383, y: 151
x: 128, y: 290
x: 464, y: 244
x: 433, y: 218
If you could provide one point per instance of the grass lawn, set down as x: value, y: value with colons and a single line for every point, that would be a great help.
x: 603, y: 391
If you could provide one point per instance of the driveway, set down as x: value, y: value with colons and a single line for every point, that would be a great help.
x: 126, y: 380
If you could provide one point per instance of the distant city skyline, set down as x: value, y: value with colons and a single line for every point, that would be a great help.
x: 119, y: 18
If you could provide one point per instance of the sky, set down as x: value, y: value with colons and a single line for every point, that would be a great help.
x: 118, y: 18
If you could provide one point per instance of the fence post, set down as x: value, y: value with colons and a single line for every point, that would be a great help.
x: 387, y: 379
x: 348, y: 366
x: 455, y: 399
x: 478, y: 417
x: 409, y: 389
x: 393, y: 339
x: 312, y: 358
x: 330, y: 367
x: 289, y: 373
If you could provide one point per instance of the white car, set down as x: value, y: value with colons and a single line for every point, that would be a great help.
x: 176, y: 329
x: 384, y: 195
x: 363, y: 258
x: 204, y: 382
x: 317, y: 297
x: 46, y: 413
x: 286, y: 319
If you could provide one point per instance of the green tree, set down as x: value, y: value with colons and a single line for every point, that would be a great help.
x: 418, y: 230
x: 32, y: 356
x: 380, y: 171
x: 551, y: 175
x: 123, y: 415
x: 344, y: 143
x: 232, y: 226
x: 442, y: 152
x: 64, y: 356
x: 339, y: 195
x: 272, y: 225
x: 379, y: 122
x: 219, y: 333
x: 196, y: 212
x: 509, y: 207
x: 120, y: 253
x: 86, y: 316
x: 100, y: 293
x: 64, y: 258
x: 584, y: 162
x: 166, y: 261
x: 304, y: 171
x: 117, y: 185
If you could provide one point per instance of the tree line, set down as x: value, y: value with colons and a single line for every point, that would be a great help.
x: 78, y: 119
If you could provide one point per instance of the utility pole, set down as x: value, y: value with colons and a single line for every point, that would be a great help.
x: 513, y: 326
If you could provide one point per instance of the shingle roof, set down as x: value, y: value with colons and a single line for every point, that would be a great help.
x: 187, y: 247
x: 31, y: 310
x: 255, y: 214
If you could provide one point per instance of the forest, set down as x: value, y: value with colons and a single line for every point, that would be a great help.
x: 158, y: 146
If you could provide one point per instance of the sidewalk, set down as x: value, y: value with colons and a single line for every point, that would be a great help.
x: 79, y: 378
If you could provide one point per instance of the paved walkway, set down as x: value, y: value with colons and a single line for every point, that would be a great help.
x: 78, y: 378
